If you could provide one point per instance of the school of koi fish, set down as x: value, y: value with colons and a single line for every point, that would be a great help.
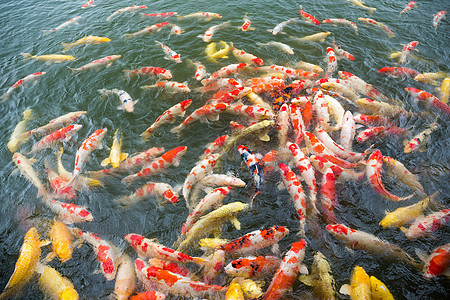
x: 309, y: 129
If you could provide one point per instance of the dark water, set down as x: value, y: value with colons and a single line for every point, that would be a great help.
x: 60, y: 92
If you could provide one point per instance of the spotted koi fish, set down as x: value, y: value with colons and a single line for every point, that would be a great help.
x: 247, y: 24
x: 252, y: 266
x: 57, y: 123
x: 128, y: 9
x: 297, y: 122
x: 89, y: 3
x: 407, y: 50
x: 341, y: 53
x: 169, y: 53
x: 287, y: 272
x: 215, y: 146
x: 372, y: 120
x: 373, y: 172
x: 438, y: 17
x: 160, y: 15
x: 246, y: 57
x: 377, y: 24
x: 232, y: 96
x: 398, y: 72
x: 331, y: 62
x: 157, y: 189
x: 253, y: 112
x: 339, y: 150
x: 408, y: 7
x: 298, y: 196
x: 419, y: 140
x: 308, y: 18
x: 97, y: 64
x: 203, y: 113
x: 255, y: 167
x: 70, y: 213
x: 198, y: 172
x: 428, y: 99
x: 255, y: 240
x: 200, y: 71
x: 379, y: 131
x: 149, y: 71
x: 362, y: 87
x: 147, y: 30
x: 224, y: 71
x: 341, y: 22
x: 169, y: 116
x: 437, y: 262
x: 107, y: 254
x: 171, y: 87
x: 206, y: 16
x: 158, y: 165
x: 322, y: 164
x: 328, y: 192
x: 56, y: 138
x: 207, y: 36
x: 21, y: 82
x: 59, y: 185
x: 425, y: 226
x: 24, y: 165
x: 63, y: 25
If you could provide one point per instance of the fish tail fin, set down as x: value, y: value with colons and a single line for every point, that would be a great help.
x: 146, y: 87
x: 123, y: 156
x: 435, y: 205
x: 26, y: 55
x: 66, y: 46
x: 146, y: 135
x: 128, y: 36
x: 177, y: 129
x: 46, y: 32
x: 4, y: 97
x: 201, y: 261
x: 75, y: 71
x: 105, y: 162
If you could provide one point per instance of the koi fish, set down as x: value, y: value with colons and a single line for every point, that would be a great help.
x: 265, y: 84
x: 428, y: 99
x: 158, y: 189
x: 331, y: 62
x: 116, y: 155
x: 125, y: 283
x: 59, y: 185
x: 287, y: 272
x: 57, y: 123
x: 407, y: 50
x: 62, y: 135
x: 147, y: 30
x: 245, y: 57
x: 445, y: 90
x: 169, y: 116
x: 247, y: 24
x: 213, y: 54
x: 210, y: 112
x: 89, y: 3
x: 339, y: 150
x: 309, y: 67
x: 360, y: 3
x: 55, y: 285
x: 135, y: 161
x: 149, y: 71
x: 49, y: 58
x: 408, y: 7
x: 279, y: 27
x: 360, y: 240
x: 26, y: 264
x: 224, y: 71
x: 253, y: 112
x: 24, y: 165
x: 323, y: 165
x: 283, y: 47
x: 149, y: 248
x: 92, y: 142
x: 297, y: 194
x: 362, y: 87
x: 438, y: 17
x: 359, y: 285
x: 214, y: 267
x: 377, y: 24
x: 373, y: 172
x: 87, y: 40
x: 400, y: 172
x: 397, y: 72
x: 255, y: 167
x: 176, y: 29
x: 207, y: 36
x: 255, y: 240
x: 198, y: 172
x: 437, y: 262
x: 169, y: 86
x: 65, y: 176
x: 107, y: 254
x: 63, y: 25
x: 341, y: 22
x: 160, y: 15
x: 321, y: 278
x: 425, y: 226
x: 234, y: 292
x: 341, y: 53
x: 204, y: 16
x: 158, y: 165
x: 69, y: 213
x: 98, y: 64
x: 21, y: 82
x: 431, y: 78
x: 315, y: 38
x: 128, y: 9
x: 200, y: 71
x: 222, y: 180
x: 61, y: 239
x: 169, y: 53
x: 379, y: 131
x: 376, y: 107
x: 308, y: 18
x: 19, y: 136
x: 252, y: 266
x: 328, y: 192
x: 379, y: 290
x: 215, y: 146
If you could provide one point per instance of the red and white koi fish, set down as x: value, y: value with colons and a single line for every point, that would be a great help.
x: 21, y: 82
x: 176, y: 29
x: 331, y: 62
x: 63, y: 25
x: 69, y: 213
x: 253, y: 112
x: 297, y: 123
x: 169, y: 53
x: 407, y: 50
x: 210, y: 112
x: 255, y: 166
x: 287, y: 272
x: 341, y: 22
x: 169, y: 86
x: 247, y: 24
x: 408, y: 7
x: 382, y: 108
x: 425, y: 226
x: 438, y: 17
x: 428, y: 99
x: 419, y: 140
x: 59, y: 185
x: 200, y: 71
x: 214, y: 267
x: 380, y: 131
x: 328, y: 192
x: 283, y: 124
x: 341, y: 53
x: 160, y: 15
x: 173, y: 283
x: 232, y: 96
x: 148, y: 295
x: 339, y: 150
x: 377, y: 24
x: 149, y: 248
x: 245, y: 57
x: 207, y: 36
x: 265, y: 84
x: 125, y: 283
x: 97, y: 64
x: 372, y: 120
x: 159, y: 165
x: 57, y: 123
x: 360, y: 3
x: 127, y: 104
x: 170, y: 266
x: 373, y: 172
x: 107, y: 254
x: 147, y: 30
x: 92, y: 142
x: 222, y: 180
x: 252, y: 266
x: 149, y: 71
x: 340, y: 90
x: 298, y: 196
x: 255, y: 240
x: 398, y: 72
x: 437, y: 262
x: 206, y: 16
x: 169, y: 116
x: 220, y: 84
x: 303, y: 164
x: 336, y: 110
x: 361, y: 86
x: 308, y: 18
x: 279, y: 27
x: 215, y: 146
x: 157, y: 189
x: 320, y: 107
x: 360, y: 240
x: 198, y: 172
x: 56, y: 138
x: 24, y: 165
x: 225, y: 71
x: 89, y: 3
x: 128, y: 9
x: 322, y: 164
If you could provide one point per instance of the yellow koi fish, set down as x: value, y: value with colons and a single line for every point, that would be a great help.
x: 431, y: 78
x: 61, y: 239
x: 234, y: 292
x: 18, y: 137
x: 66, y: 175
x: 87, y: 40
x: 49, y: 58
x: 116, y: 155
x: 212, y: 54
x: 320, y: 279
x: 445, y: 90
x: 30, y: 252
x: 379, y: 290
x: 55, y: 285
x: 359, y: 288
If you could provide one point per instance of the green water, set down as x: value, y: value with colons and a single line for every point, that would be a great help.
x: 60, y: 92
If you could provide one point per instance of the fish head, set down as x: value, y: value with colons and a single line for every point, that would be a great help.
x: 68, y: 293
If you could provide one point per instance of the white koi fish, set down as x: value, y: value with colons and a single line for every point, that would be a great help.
x: 279, y: 28
x: 57, y: 123
x: 207, y: 36
x: 62, y: 135
x: 25, y: 168
x: 97, y: 64
x: 19, y: 136
x: 245, y: 57
x: 147, y: 30
x: 205, y: 16
x: 128, y: 9
x: 378, y: 24
x: 127, y: 104
x: 224, y: 72
x: 285, y: 48
x: 63, y: 25
x: 169, y: 53
x: 341, y: 22
x: 21, y: 82
x: 69, y: 213
x: 171, y: 87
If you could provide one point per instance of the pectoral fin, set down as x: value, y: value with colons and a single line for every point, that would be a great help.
x: 105, y: 162
x: 123, y: 156
x: 306, y: 279
x: 236, y: 223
